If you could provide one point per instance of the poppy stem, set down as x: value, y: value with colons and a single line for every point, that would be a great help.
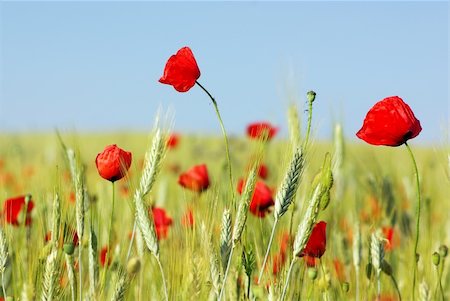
x: 216, y: 108
x: 108, y: 250
x: 283, y: 295
x: 163, y: 277
x: 311, y: 95
x: 416, y: 255
x: 267, y: 252
x: 396, y: 287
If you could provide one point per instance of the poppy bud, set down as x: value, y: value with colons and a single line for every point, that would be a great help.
x: 69, y: 248
x: 312, y: 273
x: 443, y: 250
x: 436, y: 258
x: 345, y: 286
x: 311, y: 96
x: 133, y: 266
x: 369, y: 271
x: 386, y: 267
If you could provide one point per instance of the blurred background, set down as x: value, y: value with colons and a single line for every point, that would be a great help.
x: 94, y: 66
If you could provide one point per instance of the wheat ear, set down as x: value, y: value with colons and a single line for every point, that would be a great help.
x: 50, y: 277
x: 3, y: 258
x: 93, y: 263
x: 357, y: 251
x: 225, y: 238
x: 121, y: 287
x: 377, y: 255
x: 213, y: 260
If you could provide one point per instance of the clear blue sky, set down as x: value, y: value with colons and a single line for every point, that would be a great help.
x: 95, y: 65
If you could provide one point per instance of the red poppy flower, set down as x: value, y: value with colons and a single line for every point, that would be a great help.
x: 12, y: 208
x: 260, y: 130
x: 263, y: 171
x: 113, y: 163
x: 316, y: 245
x: 262, y: 199
x: 389, y: 122
x: 187, y: 219
x: 103, y: 253
x: 161, y: 221
x: 172, y: 141
x: 195, y: 179
x: 181, y: 70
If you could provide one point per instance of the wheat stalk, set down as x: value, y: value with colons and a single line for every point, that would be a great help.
x: 93, y: 264
x: 3, y: 258
x: 50, y: 277
x: 357, y: 251
x: 56, y: 220
x: 213, y: 260
x: 151, y: 167
x: 241, y: 219
x: 285, y: 196
x: 80, y: 192
x: 377, y: 255
x: 71, y: 275
x: 304, y: 230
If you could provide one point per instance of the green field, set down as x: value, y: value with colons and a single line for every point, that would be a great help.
x: 374, y: 187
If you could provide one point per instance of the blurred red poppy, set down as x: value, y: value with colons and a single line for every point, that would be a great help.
x: 316, y: 245
x: 12, y: 208
x: 263, y: 171
x: 75, y: 239
x: 339, y: 269
x: 103, y: 254
x: 181, y: 70
x: 262, y: 199
x: 389, y: 122
x: 261, y: 130
x: 161, y: 221
x: 391, y: 237
x: 280, y: 258
x: 172, y: 141
x: 187, y: 219
x: 195, y: 179
x: 113, y: 163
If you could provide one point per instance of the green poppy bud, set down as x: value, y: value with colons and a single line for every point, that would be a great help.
x: 436, y: 258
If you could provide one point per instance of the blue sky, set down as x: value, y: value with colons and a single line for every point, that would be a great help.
x: 94, y: 66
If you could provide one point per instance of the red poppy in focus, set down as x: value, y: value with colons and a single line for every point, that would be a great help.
x: 195, y: 179
x: 261, y: 130
x: 172, y: 141
x: 161, y: 221
x: 263, y: 171
x: 262, y: 199
x: 181, y: 70
x: 113, y: 163
x: 389, y: 122
x: 12, y: 208
x: 187, y: 219
x: 316, y: 245
x: 103, y: 254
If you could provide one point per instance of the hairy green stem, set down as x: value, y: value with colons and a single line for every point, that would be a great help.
x: 416, y: 255
x: 216, y: 108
